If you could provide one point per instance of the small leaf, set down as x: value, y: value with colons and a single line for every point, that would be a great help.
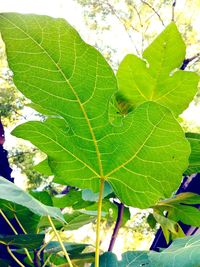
x: 182, y: 198
x: 140, y: 82
x: 151, y: 221
x: 170, y: 228
x: 43, y: 167
x: 12, y: 193
x: 88, y: 195
x: 194, y: 159
x: 186, y: 214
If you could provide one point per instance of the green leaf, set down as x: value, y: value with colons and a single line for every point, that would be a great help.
x: 43, y: 167
x: 186, y: 214
x: 74, y: 221
x: 88, y: 195
x: 151, y: 221
x: 58, y: 71
x: 29, y: 241
x: 72, y: 248
x: 182, y: 252
x: 170, y: 228
x: 154, y: 77
x: 12, y: 193
x: 182, y: 198
x: 194, y: 159
x: 43, y: 197
x: 130, y: 258
x: 69, y: 200
x: 108, y: 259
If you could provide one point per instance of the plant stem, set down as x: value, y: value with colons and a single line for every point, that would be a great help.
x: 98, y: 223
x: 14, y: 258
x: 24, y: 231
x: 117, y: 225
x: 60, y: 241
x: 8, y: 222
x: 15, y: 232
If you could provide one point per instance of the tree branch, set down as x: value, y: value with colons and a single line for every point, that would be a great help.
x: 188, y: 60
x: 117, y: 225
x: 173, y: 9
x: 152, y: 8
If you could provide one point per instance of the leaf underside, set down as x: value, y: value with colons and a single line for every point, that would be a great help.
x: 143, y: 159
x: 14, y: 194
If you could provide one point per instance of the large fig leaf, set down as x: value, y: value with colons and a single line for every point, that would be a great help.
x: 152, y: 78
x: 129, y: 258
x: 182, y: 252
x: 143, y: 159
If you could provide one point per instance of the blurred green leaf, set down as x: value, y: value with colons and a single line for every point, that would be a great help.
x: 29, y: 241
x: 194, y: 159
x: 12, y: 193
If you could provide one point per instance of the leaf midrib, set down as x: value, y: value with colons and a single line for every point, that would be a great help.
x: 73, y: 91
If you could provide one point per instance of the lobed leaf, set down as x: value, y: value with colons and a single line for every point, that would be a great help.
x: 155, y: 77
x: 142, y: 159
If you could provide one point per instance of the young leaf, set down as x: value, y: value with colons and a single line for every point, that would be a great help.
x: 152, y: 79
x: 186, y: 214
x: 12, y: 193
x: 194, y: 159
x: 88, y: 195
x: 143, y: 160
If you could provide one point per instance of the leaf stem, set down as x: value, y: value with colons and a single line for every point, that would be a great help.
x: 15, y: 232
x: 60, y: 241
x: 24, y: 231
x: 117, y: 225
x: 14, y: 258
x: 8, y: 222
x: 98, y: 223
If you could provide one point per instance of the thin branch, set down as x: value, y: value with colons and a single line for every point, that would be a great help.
x: 188, y: 60
x: 99, y: 222
x: 60, y: 241
x: 15, y: 258
x: 117, y: 225
x: 124, y: 25
x: 141, y: 25
x: 15, y: 232
x: 173, y: 9
x: 24, y: 231
x: 156, y: 12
